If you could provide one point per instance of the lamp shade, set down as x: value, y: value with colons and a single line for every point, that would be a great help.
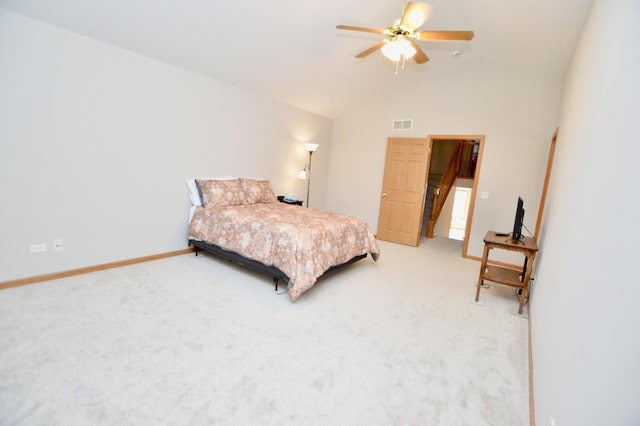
x: 311, y: 146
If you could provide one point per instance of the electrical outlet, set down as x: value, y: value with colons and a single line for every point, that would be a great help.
x: 38, y: 248
x: 58, y: 245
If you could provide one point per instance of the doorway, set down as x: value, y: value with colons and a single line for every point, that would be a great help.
x: 404, y: 189
x: 455, y: 202
x: 459, y: 213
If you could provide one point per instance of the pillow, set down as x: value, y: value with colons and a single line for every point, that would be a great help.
x: 194, y: 192
x: 258, y: 191
x: 216, y: 193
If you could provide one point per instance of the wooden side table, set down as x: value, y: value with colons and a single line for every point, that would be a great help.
x: 503, y: 275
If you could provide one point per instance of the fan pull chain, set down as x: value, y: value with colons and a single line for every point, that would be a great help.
x: 398, y: 63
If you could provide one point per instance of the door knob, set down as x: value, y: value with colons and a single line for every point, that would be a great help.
x: 384, y: 194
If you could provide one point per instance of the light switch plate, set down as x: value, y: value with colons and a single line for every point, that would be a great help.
x: 38, y: 248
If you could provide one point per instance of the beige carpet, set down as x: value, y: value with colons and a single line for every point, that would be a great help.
x: 197, y: 341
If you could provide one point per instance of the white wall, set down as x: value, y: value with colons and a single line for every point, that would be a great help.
x: 516, y: 111
x: 96, y: 143
x: 584, y: 309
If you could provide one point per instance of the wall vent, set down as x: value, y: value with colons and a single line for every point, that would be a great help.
x: 402, y: 124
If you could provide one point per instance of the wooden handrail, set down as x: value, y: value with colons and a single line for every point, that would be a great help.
x: 443, y: 188
x: 467, y: 166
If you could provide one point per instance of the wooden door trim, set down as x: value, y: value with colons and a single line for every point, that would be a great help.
x: 474, y: 189
x: 545, y: 186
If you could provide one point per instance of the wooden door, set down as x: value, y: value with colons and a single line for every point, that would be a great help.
x: 403, y: 190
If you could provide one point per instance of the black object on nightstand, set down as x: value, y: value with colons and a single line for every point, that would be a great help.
x: 283, y: 200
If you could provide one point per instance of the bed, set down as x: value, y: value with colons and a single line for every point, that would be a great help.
x: 241, y: 220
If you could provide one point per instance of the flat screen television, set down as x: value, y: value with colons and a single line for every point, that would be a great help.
x: 516, y: 234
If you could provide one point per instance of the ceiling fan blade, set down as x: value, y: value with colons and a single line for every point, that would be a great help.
x: 414, y: 15
x: 420, y: 57
x: 370, y: 50
x: 366, y: 30
x: 445, y: 35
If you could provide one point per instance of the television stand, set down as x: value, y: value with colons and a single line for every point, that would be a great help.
x: 514, y: 241
x: 507, y: 234
x: 490, y: 271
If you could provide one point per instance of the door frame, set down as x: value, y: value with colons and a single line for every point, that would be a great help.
x: 545, y: 186
x: 476, y: 176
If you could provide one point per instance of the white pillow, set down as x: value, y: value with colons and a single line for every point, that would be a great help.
x: 194, y: 194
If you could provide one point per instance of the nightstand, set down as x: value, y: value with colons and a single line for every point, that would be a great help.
x: 519, y: 278
x: 282, y: 200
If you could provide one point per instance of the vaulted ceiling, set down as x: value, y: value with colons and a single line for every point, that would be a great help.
x: 292, y: 51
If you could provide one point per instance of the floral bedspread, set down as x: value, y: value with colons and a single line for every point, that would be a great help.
x: 301, y: 242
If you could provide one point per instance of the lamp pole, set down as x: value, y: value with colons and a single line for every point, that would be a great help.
x: 310, y: 147
x: 309, y: 177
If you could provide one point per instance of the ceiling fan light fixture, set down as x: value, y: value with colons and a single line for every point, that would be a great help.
x: 404, y: 33
x: 397, y: 48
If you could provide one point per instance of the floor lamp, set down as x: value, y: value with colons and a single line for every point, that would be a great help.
x: 306, y: 172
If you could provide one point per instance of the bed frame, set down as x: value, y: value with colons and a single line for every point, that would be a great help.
x: 254, y: 265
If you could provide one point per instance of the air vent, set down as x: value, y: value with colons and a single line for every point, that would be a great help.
x: 402, y: 125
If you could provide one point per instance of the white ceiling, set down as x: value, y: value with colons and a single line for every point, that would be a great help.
x: 291, y: 51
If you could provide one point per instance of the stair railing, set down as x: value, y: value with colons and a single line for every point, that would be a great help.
x: 467, y: 160
x: 442, y: 189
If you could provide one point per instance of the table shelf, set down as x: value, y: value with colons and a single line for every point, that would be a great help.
x: 501, y: 275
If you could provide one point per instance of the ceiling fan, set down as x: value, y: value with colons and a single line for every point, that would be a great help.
x: 402, y: 35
